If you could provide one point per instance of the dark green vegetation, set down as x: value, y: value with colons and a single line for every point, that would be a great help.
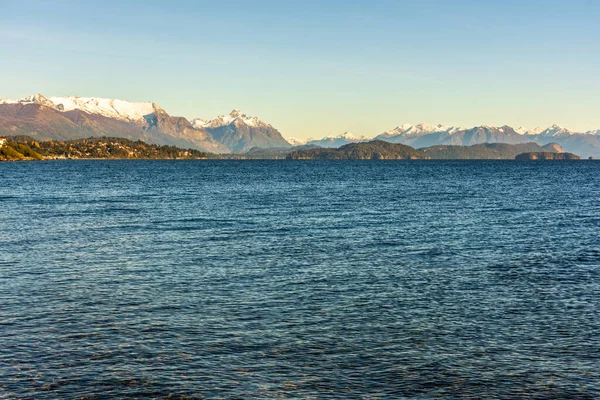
x: 488, y: 151
x: 381, y: 150
x: 547, y: 156
x: 26, y: 148
x: 375, y: 150
x: 275, y: 153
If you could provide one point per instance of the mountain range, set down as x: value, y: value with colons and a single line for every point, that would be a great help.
x: 425, y: 135
x: 66, y: 118
x: 73, y: 117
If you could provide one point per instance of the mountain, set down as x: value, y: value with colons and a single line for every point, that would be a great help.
x: 424, y: 135
x: 73, y: 117
x: 337, y: 141
x: 524, y: 131
x: 488, y: 151
x: 240, y: 132
x: 554, y: 131
x: 374, y: 150
x: 111, y: 108
x: 68, y: 118
x: 295, y: 141
x: 65, y: 118
x: 409, y: 133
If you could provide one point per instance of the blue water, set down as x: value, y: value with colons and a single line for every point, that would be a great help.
x: 259, y: 279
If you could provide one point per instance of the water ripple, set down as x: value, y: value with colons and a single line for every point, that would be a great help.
x: 227, y: 279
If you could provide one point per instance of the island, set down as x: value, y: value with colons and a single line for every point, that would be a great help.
x: 374, y: 150
x: 544, y: 155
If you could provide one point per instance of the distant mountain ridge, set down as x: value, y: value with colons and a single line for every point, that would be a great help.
x: 67, y: 118
x: 337, y: 141
x: 426, y: 135
x: 586, y: 144
x: 73, y: 117
x: 240, y: 132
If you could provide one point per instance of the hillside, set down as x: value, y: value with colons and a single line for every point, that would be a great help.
x: 487, y: 151
x: 27, y: 148
x: 374, y: 150
x: 240, y: 132
x: 275, y: 153
x: 69, y: 118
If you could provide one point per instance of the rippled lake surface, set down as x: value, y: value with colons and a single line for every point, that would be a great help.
x: 259, y: 279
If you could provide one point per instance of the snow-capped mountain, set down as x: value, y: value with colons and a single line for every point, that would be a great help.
x: 525, y: 131
x: 74, y: 117
x: 296, y: 142
x: 198, y: 123
x: 33, y: 99
x: 235, y: 115
x: 402, y: 132
x: 241, y: 132
x: 555, y: 130
x: 65, y: 118
x: 425, y: 135
x: 337, y: 141
x: 111, y: 108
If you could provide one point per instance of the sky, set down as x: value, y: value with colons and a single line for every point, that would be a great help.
x: 316, y: 68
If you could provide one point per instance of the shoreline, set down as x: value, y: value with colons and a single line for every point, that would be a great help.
x: 294, y: 160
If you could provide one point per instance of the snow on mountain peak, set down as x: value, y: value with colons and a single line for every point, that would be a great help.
x: 296, y: 141
x: 419, y: 129
x: 521, y: 130
x: 33, y: 99
x: 556, y: 130
x: 222, y: 120
x: 199, y: 122
x: 525, y: 131
x: 112, y: 108
x: 350, y: 137
x: 337, y: 140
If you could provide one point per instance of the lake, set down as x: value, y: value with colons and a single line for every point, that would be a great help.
x: 291, y: 279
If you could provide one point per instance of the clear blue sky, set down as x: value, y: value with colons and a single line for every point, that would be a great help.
x: 316, y: 68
